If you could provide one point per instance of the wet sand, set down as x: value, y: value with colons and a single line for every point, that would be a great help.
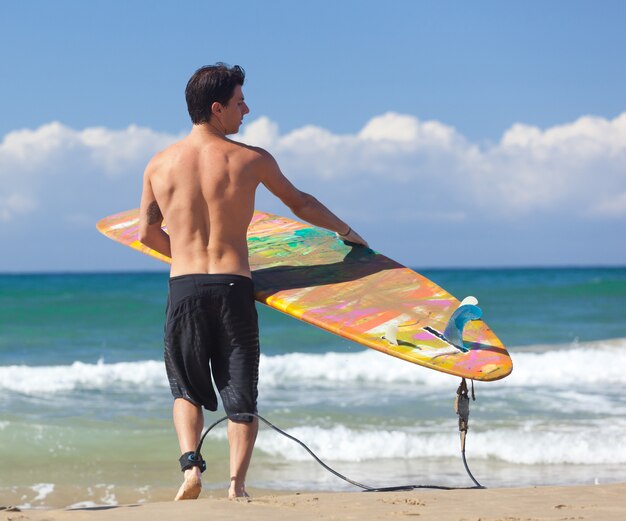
x: 594, y: 502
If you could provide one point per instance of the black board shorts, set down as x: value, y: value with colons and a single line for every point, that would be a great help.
x: 211, y: 327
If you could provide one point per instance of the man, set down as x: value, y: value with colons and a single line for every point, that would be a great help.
x: 203, y: 187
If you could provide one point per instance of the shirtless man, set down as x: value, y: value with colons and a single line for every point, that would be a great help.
x: 203, y: 187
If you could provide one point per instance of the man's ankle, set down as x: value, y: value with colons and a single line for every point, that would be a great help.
x: 192, y: 473
x: 237, y: 487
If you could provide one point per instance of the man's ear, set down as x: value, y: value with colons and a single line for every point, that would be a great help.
x: 216, y: 108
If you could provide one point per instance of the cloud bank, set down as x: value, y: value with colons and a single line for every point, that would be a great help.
x: 398, y: 174
x: 578, y: 168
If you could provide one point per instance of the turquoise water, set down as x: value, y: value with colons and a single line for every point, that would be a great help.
x: 83, y: 392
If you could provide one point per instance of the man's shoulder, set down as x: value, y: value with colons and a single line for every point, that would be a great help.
x: 248, y: 150
x: 253, y: 155
x: 159, y: 159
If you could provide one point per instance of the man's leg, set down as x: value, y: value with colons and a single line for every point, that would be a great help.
x: 188, y: 421
x: 241, y: 437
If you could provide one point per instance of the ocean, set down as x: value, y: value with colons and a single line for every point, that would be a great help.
x: 85, y: 410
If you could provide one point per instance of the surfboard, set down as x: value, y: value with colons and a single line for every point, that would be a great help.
x: 355, y: 292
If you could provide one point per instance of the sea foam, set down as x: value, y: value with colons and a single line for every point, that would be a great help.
x: 532, y: 442
x: 34, y: 380
x: 578, y: 366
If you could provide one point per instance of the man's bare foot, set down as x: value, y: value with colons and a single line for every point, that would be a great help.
x: 240, y: 497
x: 237, y: 491
x: 191, y: 487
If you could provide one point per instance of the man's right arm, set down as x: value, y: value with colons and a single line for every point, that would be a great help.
x: 151, y: 219
x: 303, y: 205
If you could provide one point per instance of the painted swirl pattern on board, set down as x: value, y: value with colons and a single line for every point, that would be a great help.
x: 354, y: 292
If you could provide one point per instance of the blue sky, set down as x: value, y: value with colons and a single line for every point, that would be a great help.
x: 447, y: 133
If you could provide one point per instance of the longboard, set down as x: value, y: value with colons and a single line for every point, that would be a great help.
x: 357, y: 293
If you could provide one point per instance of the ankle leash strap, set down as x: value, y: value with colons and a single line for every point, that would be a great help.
x: 189, y: 460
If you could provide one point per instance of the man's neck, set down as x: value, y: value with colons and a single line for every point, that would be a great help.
x: 210, y: 129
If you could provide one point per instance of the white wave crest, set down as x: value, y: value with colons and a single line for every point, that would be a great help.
x: 584, y: 364
x: 54, y: 379
x: 365, y: 366
x: 582, y: 443
x: 590, y: 364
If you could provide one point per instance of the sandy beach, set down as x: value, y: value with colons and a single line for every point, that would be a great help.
x: 596, y: 502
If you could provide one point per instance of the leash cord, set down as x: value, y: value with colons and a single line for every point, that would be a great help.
x: 365, y: 488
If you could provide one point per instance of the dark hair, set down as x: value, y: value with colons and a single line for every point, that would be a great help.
x: 210, y: 84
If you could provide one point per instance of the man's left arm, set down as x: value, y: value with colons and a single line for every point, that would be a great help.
x: 151, y: 219
x: 303, y: 205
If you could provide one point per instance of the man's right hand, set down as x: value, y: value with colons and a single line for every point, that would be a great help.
x: 353, y: 237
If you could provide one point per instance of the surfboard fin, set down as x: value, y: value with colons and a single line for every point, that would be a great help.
x: 391, y: 333
x: 468, y: 310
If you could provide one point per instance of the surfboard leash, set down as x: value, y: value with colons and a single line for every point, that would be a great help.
x: 366, y: 488
x: 461, y: 406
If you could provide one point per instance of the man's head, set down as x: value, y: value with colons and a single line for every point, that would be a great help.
x: 209, y: 85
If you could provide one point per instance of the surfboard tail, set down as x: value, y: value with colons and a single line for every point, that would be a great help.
x: 467, y: 311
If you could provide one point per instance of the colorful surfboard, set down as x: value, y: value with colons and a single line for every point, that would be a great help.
x: 357, y: 293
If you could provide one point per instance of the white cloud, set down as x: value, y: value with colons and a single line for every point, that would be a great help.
x: 397, y: 170
x: 15, y: 205
x: 262, y: 132
x: 614, y: 206
x: 585, y: 137
x: 566, y: 168
x: 122, y: 151
x: 59, y: 172
x: 408, y: 129
x: 430, y: 167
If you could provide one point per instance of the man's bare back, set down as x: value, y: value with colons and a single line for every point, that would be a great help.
x: 204, y: 187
